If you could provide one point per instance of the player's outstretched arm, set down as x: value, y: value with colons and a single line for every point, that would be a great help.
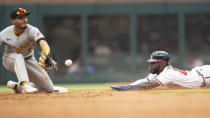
x: 45, y: 60
x: 149, y: 85
x: 142, y: 85
x: 124, y: 88
x: 44, y: 46
x: 44, y: 53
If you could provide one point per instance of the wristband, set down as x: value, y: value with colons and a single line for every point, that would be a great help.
x: 46, y: 49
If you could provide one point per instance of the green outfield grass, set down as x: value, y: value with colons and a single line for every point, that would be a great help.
x: 72, y: 87
x: 105, y: 86
x: 90, y: 86
x: 5, y: 89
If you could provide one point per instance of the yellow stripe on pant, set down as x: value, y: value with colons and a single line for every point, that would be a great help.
x: 18, y: 71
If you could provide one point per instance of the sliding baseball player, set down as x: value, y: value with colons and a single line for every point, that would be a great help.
x: 20, y: 40
x: 163, y: 74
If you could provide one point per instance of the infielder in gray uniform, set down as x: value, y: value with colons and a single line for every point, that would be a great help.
x: 19, y: 40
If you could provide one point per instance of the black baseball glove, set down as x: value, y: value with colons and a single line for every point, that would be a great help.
x: 46, y: 61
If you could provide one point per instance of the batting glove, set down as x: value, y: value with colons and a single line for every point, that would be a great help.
x: 124, y: 88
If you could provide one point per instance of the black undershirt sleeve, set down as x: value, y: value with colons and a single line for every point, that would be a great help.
x: 40, y: 40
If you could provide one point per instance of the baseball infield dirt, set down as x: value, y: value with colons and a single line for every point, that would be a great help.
x: 105, y: 104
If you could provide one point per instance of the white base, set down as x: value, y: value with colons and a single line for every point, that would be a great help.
x: 60, y: 89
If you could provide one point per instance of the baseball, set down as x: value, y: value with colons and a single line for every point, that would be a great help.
x: 68, y: 62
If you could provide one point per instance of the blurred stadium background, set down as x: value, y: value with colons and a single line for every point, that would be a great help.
x: 110, y: 40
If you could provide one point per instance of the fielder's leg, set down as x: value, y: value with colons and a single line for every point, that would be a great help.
x: 38, y: 75
x: 15, y: 63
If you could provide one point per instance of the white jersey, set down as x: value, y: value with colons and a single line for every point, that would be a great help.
x: 23, y: 44
x: 190, y: 79
x: 195, y: 78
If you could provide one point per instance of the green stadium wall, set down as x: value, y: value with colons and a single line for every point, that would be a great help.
x: 99, y: 9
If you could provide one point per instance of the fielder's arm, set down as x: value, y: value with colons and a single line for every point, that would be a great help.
x: 44, y: 46
x: 45, y: 60
x: 45, y: 53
